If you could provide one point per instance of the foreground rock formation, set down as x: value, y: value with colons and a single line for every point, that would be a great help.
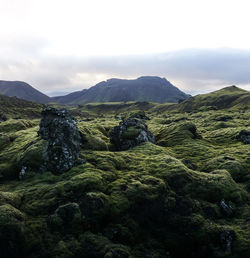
x: 244, y: 136
x: 59, y: 128
x: 130, y: 133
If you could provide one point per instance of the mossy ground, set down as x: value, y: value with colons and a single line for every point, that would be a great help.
x: 155, y: 200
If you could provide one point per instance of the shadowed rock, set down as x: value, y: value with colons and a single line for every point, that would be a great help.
x: 244, y: 136
x: 130, y: 133
x: 59, y: 128
x: 226, y: 208
x: 3, y: 117
x: 226, y: 239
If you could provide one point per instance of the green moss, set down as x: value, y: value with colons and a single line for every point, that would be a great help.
x: 143, y: 202
x: 98, y: 245
x: 131, y: 133
x: 13, y: 125
x: 176, y: 134
x: 11, y: 230
x: 11, y: 198
x: 4, y: 140
x: 92, y: 142
x: 233, y: 166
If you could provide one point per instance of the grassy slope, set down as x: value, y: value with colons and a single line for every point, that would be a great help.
x: 13, y: 107
x: 227, y: 97
x: 144, y: 202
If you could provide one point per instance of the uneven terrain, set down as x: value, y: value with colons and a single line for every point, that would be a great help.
x: 186, y: 195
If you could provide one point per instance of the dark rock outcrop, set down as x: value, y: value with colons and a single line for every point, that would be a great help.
x: 130, y: 133
x: 3, y: 117
x: 226, y: 208
x: 244, y: 136
x: 59, y: 128
x: 226, y: 239
x: 194, y: 131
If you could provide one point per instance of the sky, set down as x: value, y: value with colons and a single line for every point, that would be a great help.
x: 60, y: 46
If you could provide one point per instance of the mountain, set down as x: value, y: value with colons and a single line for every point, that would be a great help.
x: 22, y: 90
x: 227, y: 97
x: 69, y: 97
x: 146, y: 88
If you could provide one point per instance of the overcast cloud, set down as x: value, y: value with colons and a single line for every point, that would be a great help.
x: 68, y: 45
x: 192, y: 70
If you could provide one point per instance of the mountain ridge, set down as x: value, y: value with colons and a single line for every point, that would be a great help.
x: 22, y: 90
x: 145, y: 88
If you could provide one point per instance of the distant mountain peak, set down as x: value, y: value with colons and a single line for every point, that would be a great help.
x: 144, y: 88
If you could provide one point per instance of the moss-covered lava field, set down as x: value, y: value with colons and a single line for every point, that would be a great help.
x: 186, y: 195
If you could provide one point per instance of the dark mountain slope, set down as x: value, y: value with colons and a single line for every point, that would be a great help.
x: 69, y: 97
x: 147, y: 88
x: 22, y: 90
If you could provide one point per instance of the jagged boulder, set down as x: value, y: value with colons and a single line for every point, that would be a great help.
x: 244, y: 136
x: 60, y: 130
x: 130, y: 133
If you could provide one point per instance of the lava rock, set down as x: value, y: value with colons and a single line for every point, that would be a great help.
x: 226, y: 239
x: 244, y: 136
x: 226, y: 208
x: 130, y: 133
x: 60, y: 130
x: 192, y: 128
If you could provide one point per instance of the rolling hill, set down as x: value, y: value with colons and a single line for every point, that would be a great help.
x: 12, y: 107
x: 22, y: 90
x: 227, y: 97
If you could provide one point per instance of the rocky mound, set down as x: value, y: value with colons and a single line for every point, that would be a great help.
x: 59, y: 128
x: 244, y: 136
x: 130, y: 133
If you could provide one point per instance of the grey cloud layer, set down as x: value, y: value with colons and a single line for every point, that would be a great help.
x: 191, y: 69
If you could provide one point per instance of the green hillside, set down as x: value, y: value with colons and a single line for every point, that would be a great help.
x: 13, y: 107
x: 227, y: 97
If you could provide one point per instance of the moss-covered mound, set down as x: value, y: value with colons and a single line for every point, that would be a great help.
x: 186, y: 195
